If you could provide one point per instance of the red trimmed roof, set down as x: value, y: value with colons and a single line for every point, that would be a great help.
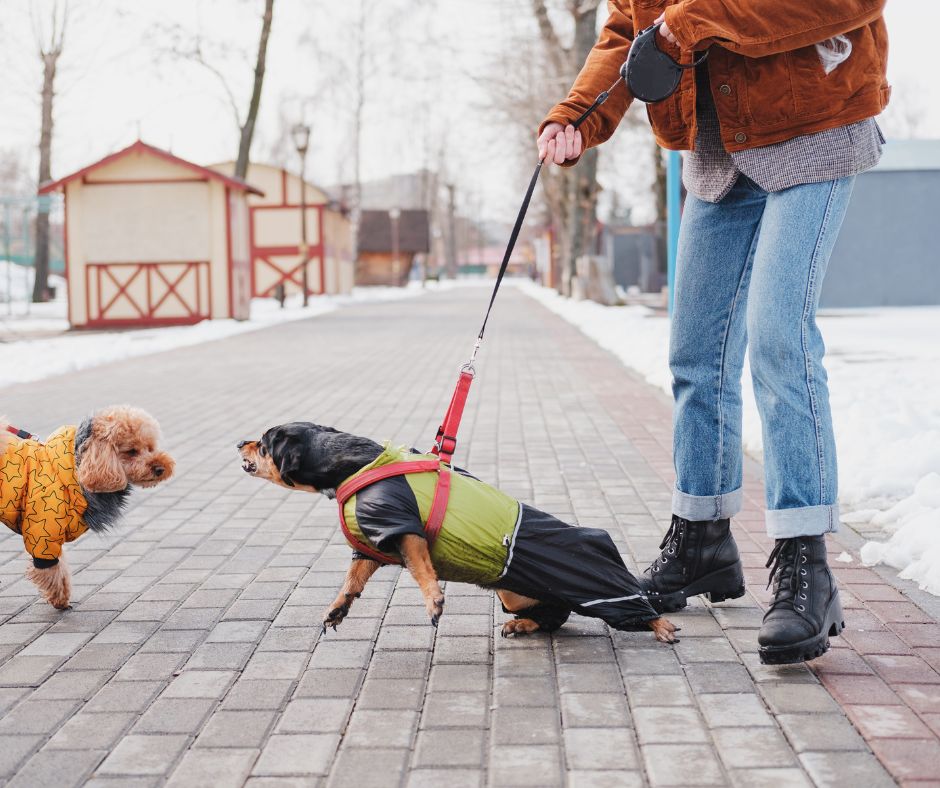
x: 143, y: 147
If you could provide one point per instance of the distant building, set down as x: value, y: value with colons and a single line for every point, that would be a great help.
x: 635, y: 252
x: 389, y: 243
x: 275, y: 230
x: 887, y: 253
x: 154, y: 240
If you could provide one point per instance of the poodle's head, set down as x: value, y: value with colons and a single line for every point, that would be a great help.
x: 119, y: 446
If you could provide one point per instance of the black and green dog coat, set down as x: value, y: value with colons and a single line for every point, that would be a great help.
x: 490, y: 539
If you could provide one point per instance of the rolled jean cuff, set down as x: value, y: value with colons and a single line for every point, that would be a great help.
x: 804, y: 521
x: 706, y: 507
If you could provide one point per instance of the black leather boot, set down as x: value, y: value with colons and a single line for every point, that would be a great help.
x: 696, y: 558
x: 805, y: 611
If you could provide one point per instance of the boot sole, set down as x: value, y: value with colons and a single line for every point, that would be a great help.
x: 727, y: 583
x: 808, y: 649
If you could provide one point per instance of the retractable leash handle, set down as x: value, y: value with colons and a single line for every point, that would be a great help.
x: 445, y: 444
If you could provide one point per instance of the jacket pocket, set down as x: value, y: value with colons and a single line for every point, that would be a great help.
x: 769, y: 92
x: 815, y: 90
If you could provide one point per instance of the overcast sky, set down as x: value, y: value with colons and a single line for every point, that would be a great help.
x: 424, y: 97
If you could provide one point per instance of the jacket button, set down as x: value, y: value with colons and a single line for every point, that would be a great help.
x: 725, y: 90
x: 740, y: 137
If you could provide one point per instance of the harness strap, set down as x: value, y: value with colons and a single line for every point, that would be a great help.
x: 435, y: 516
x: 446, y: 441
x: 23, y: 434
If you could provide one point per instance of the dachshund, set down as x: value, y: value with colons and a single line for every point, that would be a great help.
x: 78, y: 480
x: 541, y: 568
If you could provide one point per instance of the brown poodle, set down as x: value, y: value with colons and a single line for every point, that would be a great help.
x: 78, y: 480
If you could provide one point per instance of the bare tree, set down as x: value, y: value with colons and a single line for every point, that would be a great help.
x: 50, y: 43
x: 205, y: 53
x: 248, y: 127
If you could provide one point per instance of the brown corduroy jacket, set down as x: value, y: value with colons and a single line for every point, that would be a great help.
x: 766, y: 75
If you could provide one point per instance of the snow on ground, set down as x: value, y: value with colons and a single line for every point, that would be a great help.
x: 884, y: 375
x: 35, y: 358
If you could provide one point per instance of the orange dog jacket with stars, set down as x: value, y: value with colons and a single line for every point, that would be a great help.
x: 40, y: 496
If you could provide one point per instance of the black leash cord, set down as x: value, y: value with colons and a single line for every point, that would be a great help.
x: 520, y: 218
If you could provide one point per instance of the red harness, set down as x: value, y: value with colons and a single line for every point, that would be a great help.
x: 444, y: 447
x: 26, y: 436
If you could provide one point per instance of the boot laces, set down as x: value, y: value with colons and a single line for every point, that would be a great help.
x: 671, y: 545
x: 788, y: 574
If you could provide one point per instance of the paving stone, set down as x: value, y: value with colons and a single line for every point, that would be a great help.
x: 143, y: 755
x: 669, y: 724
x: 220, y: 656
x: 820, y: 732
x: 449, y: 747
x: 664, y: 691
x: 175, y: 715
x: 533, y: 765
x: 258, y: 695
x: 391, y: 694
x: 200, y: 684
x: 329, y: 682
x: 316, y: 715
x: 53, y: 644
x: 453, y: 778
x: 746, y: 748
x: 460, y: 678
x: 732, y: 710
x: 36, y: 716
x: 594, y: 710
x: 93, y: 731
x: 246, y: 729
x: 845, y: 769
x: 149, y: 667
x: 58, y: 768
x: 682, y: 765
x: 386, y: 728
x: 27, y: 671
x: 770, y: 778
x: 355, y: 769
x: 218, y: 768
x: 15, y: 750
x: 600, y: 748
x: 74, y: 685
x: 455, y: 709
x: 296, y: 754
x: 587, y: 778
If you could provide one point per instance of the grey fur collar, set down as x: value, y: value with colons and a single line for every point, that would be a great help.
x: 104, y: 509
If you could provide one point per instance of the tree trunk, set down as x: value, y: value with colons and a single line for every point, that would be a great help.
x: 41, y: 261
x: 581, y: 218
x: 660, y: 191
x: 248, y: 130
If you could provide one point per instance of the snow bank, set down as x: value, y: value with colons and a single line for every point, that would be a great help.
x: 33, y: 359
x: 884, y: 375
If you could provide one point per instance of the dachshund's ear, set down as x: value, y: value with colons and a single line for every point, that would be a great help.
x: 99, y: 468
x: 289, y: 461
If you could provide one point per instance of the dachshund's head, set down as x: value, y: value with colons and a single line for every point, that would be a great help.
x: 118, y: 447
x: 306, y: 456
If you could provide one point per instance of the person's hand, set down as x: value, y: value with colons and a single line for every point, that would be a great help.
x: 664, y: 31
x: 559, y: 143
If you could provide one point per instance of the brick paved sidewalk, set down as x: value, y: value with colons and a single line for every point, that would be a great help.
x: 193, y: 655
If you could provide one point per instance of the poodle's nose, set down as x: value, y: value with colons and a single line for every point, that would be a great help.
x: 158, y: 470
x: 240, y: 445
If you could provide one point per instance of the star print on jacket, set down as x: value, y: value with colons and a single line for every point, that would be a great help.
x: 40, y: 496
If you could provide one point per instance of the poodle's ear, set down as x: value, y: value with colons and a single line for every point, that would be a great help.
x: 100, y: 469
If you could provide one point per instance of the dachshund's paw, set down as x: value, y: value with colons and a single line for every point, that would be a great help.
x: 435, y: 606
x: 338, y: 611
x: 519, y: 626
x: 664, y: 630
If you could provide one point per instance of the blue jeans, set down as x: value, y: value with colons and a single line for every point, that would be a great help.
x: 748, y: 275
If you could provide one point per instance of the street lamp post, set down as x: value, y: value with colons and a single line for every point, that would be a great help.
x: 301, y: 135
x: 395, y: 215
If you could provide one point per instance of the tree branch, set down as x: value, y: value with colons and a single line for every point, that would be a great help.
x: 557, y: 53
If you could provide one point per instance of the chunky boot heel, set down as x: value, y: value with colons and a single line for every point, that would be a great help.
x: 696, y: 558
x: 805, y: 611
x: 724, y: 596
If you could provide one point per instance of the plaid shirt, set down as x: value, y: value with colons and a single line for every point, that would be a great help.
x: 710, y: 171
